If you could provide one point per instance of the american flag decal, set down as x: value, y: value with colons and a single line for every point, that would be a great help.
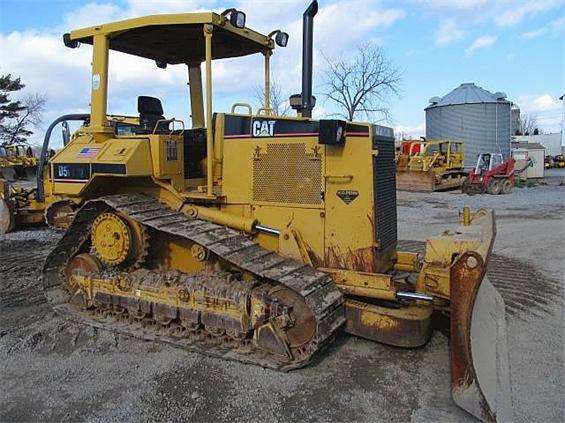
x: 87, y: 152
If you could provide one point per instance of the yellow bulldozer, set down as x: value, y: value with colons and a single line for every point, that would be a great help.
x: 256, y: 237
x: 426, y: 166
x: 22, y: 206
x: 17, y: 161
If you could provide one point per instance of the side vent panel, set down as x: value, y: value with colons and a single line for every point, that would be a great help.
x: 287, y: 173
x: 384, y: 174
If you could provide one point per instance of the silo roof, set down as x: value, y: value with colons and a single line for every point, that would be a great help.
x: 467, y: 93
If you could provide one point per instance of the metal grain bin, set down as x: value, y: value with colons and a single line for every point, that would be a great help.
x: 474, y: 115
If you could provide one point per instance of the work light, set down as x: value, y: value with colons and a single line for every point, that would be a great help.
x: 237, y: 17
x: 281, y: 38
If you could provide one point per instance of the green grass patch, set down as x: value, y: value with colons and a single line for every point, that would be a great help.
x: 520, y: 183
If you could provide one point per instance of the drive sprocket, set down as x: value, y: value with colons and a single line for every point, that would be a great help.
x: 118, y: 240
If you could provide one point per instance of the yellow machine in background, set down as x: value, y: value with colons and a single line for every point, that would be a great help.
x: 21, y: 205
x: 17, y: 161
x: 559, y: 161
x: 256, y: 237
x: 430, y: 165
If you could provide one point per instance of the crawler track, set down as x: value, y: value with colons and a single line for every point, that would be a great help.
x: 317, y: 289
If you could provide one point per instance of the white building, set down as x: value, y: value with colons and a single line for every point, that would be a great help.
x: 522, y: 152
x: 551, y: 142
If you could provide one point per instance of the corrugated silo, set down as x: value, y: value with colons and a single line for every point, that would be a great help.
x: 474, y: 115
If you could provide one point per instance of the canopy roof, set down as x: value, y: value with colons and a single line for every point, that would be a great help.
x: 177, y: 38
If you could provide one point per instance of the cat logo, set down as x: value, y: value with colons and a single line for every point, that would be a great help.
x: 263, y: 128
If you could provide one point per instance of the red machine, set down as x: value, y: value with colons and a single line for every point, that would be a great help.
x: 411, y: 147
x: 492, y: 174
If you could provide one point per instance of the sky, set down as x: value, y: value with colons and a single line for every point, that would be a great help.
x: 513, y: 46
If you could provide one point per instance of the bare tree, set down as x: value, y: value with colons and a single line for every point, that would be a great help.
x: 279, y: 102
x: 528, y: 125
x: 17, y: 129
x: 363, y: 84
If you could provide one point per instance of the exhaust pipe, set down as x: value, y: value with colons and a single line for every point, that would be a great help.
x: 304, y: 102
x: 307, y: 58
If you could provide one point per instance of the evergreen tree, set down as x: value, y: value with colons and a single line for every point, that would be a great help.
x: 15, y: 116
x: 9, y: 109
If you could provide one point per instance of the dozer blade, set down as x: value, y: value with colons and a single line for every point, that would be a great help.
x: 8, y: 173
x: 472, y: 188
x: 414, y: 180
x: 479, y: 355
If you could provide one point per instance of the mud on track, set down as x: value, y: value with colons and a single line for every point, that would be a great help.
x: 525, y: 290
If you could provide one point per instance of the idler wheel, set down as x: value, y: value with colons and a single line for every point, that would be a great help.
x: 302, y: 327
x: 81, y: 264
x: 59, y: 215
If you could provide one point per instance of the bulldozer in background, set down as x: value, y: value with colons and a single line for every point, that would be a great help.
x: 22, y: 206
x: 548, y: 162
x: 256, y: 237
x: 559, y: 161
x: 17, y: 161
x: 427, y: 166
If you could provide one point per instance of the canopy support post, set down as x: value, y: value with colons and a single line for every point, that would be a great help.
x: 208, y: 29
x: 196, y: 101
x: 268, y: 81
x: 99, y: 87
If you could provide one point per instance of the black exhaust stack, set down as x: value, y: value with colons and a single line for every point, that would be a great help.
x: 305, y: 102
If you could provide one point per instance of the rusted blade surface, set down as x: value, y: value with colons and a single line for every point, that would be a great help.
x: 479, y: 354
x: 6, y: 217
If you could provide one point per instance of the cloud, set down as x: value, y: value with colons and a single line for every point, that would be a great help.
x: 481, y: 42
x: 546, y: 102
x: 517, y: 12
x: 92, y: 14
x: 558, y: 24
x: 449, y: 31
x: 534, y: 34
x: 538, y: 103
x: 554, y: 27
x: 63, y: 74
x: 472, y: 13
x: 453, y: 4
x: 545, y: 108
x: 410, y: 132
x: 152, y: 7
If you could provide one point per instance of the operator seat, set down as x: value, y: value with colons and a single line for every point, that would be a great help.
x: 150, y: 112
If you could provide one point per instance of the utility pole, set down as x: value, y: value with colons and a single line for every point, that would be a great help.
x: 562, y: 98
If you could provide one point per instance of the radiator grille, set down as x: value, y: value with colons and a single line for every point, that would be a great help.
x: 286, y: 173
x: 384, y: 174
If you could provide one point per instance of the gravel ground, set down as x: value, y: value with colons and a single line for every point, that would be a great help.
x: 53, y: 370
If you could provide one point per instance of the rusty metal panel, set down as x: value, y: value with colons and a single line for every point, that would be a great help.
x: 479, y: 357
x: 407, y: 326
x: 415, y: 180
